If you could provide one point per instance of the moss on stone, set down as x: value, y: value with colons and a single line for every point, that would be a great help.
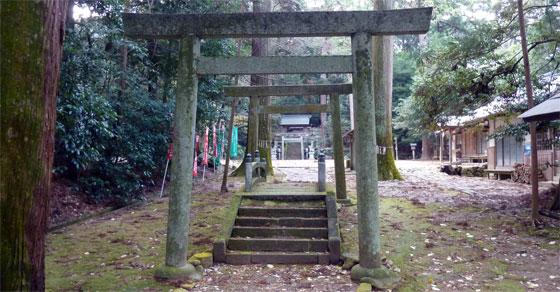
x: 229, y: 217
x: 203, y: 259
x: 364, y: 287
x: 380, y: 278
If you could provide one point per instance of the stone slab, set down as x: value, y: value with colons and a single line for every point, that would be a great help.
x: 278, y: 244
x: 264, y: 232
x: 294, y: 109
x: 291, y: 197
x: 323, y: 259
x: 330, y: 203
x: 333, y: 227
x: 284, y: 221
x: 334, y: 250
x: 274, y: 65
x: 236, y: 258
x: 281, y: 212
x: 278, y: 24
x: 287, y: 90
x: 242, y: 258
x: 219, y: 251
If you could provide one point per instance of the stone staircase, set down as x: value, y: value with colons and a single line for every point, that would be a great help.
x: 283, y: 229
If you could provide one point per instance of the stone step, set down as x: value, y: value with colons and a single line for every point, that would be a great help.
x: 245, y: 258
x: 281, y: 212
x: 266, y: 232
x: 281, y: 221
x: 278, y: 244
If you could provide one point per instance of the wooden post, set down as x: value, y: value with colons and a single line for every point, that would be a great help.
x: 352, y: 155
x: 338, y: 151
x: 227, y: 149
x: 369, y: 246
x: 283, y: 148
x: 176, y: 266
x: 441, y: 140
x: 301, y: 146
x: 351, y: 107
x: 450, y: 146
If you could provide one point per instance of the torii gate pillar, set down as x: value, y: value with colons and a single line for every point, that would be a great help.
x: 338, y: 149
x: 366, y: 168
x: 176, y: 265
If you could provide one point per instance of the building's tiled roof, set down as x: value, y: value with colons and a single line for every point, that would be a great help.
x: 545, y: 111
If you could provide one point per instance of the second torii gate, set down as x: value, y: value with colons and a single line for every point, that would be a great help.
x: 333, y: 90
x: 359, y: 25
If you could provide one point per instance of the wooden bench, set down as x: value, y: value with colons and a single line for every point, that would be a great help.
x: 499, y: 172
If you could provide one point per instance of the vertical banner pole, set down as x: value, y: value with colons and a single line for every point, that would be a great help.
x: 169, y: 156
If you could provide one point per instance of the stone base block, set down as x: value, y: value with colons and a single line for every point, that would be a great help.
x: 344, y: 202
x: 380, y: 278
x: 186, y: 272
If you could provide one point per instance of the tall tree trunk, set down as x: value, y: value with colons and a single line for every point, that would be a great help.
x: 258, y: 130
x: 31, y: 34
x: 124, y: 60
x: 382, y: 61
x: 427, y: 144
x: 234, y: 103
x: 70, y: 16
x: 532, y: 125
x: 224, y: 188
x: 152, y: 75
x: 124, y: 64
x: 260, y: 48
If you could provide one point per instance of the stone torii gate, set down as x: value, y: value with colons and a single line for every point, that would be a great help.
x: 359, y: 25
x: 333, y: 90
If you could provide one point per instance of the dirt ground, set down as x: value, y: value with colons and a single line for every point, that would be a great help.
x: 469, y: 233
x: 441, y: 233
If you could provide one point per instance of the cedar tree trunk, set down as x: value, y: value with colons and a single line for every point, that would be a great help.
x: 382, y: 60
x: 31, y: 34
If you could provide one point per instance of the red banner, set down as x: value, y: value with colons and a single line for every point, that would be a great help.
x: 205, y: 156
x: 195, y: 167
x: 214, y: 144
x: 170, y: 152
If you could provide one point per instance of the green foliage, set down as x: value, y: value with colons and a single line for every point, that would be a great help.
x: 78, y: 134
x: 114, y: 122
x: 469, y: 60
